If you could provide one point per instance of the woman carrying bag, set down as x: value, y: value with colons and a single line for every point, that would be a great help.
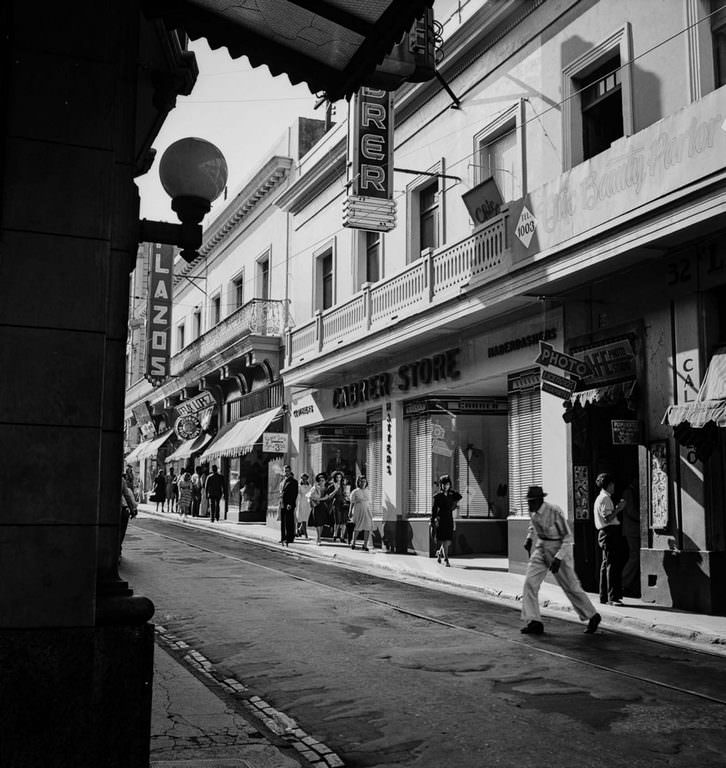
x: 318, y: 499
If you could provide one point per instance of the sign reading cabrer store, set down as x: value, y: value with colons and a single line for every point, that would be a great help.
x: 158, y: 316
x: 369, y: 203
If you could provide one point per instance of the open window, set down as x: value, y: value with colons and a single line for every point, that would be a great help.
x: 597, y: 105
x: 425, y: 213
x: 324, y: 271
x: 499, y: 152
x: 369, y: 257
x: 263, y: 276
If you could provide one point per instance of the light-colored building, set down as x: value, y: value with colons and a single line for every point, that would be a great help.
x: 417, y: 352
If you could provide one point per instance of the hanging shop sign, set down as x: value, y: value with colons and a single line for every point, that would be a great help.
x: 483, y: 200
x: 626, y: 431
x: 274, y: 442
x: 453, y: 406
x: 549, y: 356
x: 158, y: 315
x: 559, y: 386
x: 428, y: 370
x: 369, y: 204
x: 188, y: 427
x: 142, y: 414
x: 197, y: 403
x: 609, y: 361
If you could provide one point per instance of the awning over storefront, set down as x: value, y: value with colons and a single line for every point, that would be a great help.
x: 242, y: 436
x: 189, y: 447
x: 710, y: 402
x: 148, y: 449
x: 332, y: 46
x: 608, y: 393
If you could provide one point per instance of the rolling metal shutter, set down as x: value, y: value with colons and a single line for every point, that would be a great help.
x: 525, y: 438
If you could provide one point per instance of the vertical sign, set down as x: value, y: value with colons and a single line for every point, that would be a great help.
x: 370, y: 204
x: 659, y: 484
x: 158, y: 315
x: 581, y: 480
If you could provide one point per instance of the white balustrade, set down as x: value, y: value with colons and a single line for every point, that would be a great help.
x: 432, y: 279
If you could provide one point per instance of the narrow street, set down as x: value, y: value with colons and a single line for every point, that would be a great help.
x: 392, y: 674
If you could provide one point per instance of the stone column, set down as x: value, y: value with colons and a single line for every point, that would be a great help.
x: 76, y: 652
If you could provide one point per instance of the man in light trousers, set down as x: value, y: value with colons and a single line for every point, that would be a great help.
x: 548, y: 542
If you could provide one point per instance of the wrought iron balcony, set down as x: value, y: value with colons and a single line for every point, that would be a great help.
x: 434, y: 278
x: 258, y: 317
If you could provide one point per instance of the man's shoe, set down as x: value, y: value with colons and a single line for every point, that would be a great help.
x: 593, y: 624
x: 619, y: 603
x: 533, y: 628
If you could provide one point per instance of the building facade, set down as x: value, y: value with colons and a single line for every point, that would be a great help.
x: 544, y: 338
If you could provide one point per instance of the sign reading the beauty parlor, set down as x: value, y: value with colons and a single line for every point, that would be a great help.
x: 438, y: 368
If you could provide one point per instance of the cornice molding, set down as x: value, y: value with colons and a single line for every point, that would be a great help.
x: 247, y: 200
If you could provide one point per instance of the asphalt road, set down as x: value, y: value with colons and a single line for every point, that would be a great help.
x: 393, y: 674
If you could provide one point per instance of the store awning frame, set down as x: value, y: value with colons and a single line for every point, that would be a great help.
x: 332, y: 45
x: 710, y: 402
x: 189, y: 447
x: 242, y: 436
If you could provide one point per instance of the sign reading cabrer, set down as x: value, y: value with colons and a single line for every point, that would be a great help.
x: 369, y: 203
x: 158, y: 316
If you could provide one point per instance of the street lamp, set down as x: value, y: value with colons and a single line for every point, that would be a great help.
x: 193, y: 173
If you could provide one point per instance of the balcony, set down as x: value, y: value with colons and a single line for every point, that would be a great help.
x: 421, y: 285
x: 258, y: 317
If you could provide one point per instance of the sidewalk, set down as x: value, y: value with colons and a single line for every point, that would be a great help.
x: 487, y: 578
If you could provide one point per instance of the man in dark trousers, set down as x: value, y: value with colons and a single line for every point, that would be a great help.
x: 288, y: 502
x: 215, y: 488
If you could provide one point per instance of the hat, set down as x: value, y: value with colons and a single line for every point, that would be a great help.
x: 535, y: 492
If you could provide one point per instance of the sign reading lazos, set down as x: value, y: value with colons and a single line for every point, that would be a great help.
x: 158, y: 315
x: 428, y: 370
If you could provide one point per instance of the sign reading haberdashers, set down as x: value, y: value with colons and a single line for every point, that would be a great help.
x: 369, y: 204
x: 158, y: 315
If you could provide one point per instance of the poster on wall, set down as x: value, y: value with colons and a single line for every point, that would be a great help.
x: 581, y: 479
x: 659, y: 484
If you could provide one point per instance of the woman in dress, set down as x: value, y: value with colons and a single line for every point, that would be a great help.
x: 158, y: 494
x: 302, y: 511
x: 318, y: 498
x: 339, y: 505
x: 185, y: 494
x: 360, y: 507
x: 442, y: 517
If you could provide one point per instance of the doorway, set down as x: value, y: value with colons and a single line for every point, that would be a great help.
x: 594, y: 450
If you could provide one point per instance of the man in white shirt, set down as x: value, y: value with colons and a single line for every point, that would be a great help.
x: 610, y: 540
x: 548, y: 543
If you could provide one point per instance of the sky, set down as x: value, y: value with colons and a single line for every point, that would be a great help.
x: 241, y: 110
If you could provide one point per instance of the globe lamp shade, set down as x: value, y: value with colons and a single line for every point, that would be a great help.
x: 193, y: 168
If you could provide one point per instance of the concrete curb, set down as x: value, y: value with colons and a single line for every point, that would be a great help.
x: 713, y: 642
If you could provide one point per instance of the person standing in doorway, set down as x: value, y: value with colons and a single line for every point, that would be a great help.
x: 360, y: 507
x: 288, y: 502
x: 442, y: 517
x: 214, y: 489
x: 610, y: 540
x: 548, y: 546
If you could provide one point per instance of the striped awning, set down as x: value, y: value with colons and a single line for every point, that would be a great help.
x: 710, y: 402
x: 242, y: 435
x: 148, y: 449
x: 609, y: 393
x: 189, y: 447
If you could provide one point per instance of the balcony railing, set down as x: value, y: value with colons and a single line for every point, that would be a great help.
x: 258, y: 317
x: 432, y: 279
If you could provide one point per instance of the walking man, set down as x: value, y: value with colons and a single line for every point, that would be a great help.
x: 214, y: 489
x: 548, y: 541
x: 288, y: 501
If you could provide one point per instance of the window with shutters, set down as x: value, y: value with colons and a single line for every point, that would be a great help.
x: 374, y: 462
x: 420, y: 479
x: 525, y: 438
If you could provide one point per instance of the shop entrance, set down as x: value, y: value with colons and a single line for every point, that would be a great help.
x: 604, y: 439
